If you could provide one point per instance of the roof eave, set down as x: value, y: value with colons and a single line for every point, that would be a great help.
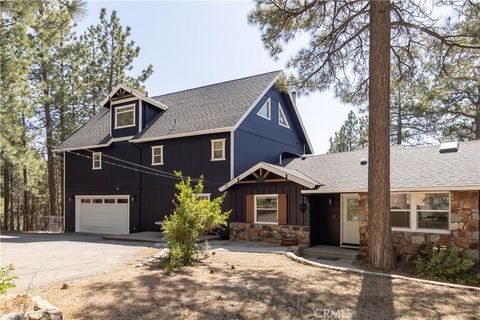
x: 137, y: 94
x: 268, y: 167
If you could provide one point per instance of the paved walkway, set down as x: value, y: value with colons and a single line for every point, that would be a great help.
x: 40, y: 259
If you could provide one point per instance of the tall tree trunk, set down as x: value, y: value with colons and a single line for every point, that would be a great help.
x: 380, y: 253
x: 49, y: 144
x: 62, y: 138
x: 112, y: 66
x: 6, y: 193
x: 25, y: 178
x: 11, y: 213
x: 477, y: 123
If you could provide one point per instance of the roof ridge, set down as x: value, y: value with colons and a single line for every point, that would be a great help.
x: 217, y: 83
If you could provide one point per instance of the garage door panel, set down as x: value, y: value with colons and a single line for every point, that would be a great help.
x: 109, y: 217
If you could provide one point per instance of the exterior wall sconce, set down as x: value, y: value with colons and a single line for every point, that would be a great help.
x: 132, y: 199
x: 303, y: 206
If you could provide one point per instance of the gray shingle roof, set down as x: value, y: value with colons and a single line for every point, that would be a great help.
x: 215, y: 106
x: 95, y: 132
x: 419, y: 167
x: 296, y: 173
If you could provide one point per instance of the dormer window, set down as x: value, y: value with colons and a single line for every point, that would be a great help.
x: 282, y: 119
x: 125, y: 116
x: 266, y: 110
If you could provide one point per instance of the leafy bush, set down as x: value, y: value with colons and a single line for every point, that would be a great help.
x: 6, y: 278
x: 191, y: 218
x: 447, y: 264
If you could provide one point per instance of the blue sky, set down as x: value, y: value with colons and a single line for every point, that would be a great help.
x: 191, y: 44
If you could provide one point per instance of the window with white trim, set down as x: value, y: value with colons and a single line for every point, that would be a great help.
x: 218, y: 149
x: 420, y: 211
x: 282, y: 119
x: 203, y: 196
x: 96, y: 160
x: 266, y: 110
x: 125, y: 116
x: 266, y: 208
x: 157, y: 155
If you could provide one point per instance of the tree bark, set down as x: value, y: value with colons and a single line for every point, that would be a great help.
x: 6, y: 193
x: 380, y: 252
x: 25, y: 177
x: 477, y: 124
x: 49, y: 144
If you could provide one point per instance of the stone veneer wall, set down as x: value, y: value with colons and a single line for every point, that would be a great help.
x: 464, y: 229
x: 271, y: 233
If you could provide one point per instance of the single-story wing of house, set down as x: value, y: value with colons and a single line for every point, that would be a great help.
x: 323, y: 199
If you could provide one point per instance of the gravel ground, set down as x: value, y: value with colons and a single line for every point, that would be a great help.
x: 235, y: 285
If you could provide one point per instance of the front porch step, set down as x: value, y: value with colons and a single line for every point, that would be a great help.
x: 330, y: 252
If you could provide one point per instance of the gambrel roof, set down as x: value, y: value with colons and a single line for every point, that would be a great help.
x: 213, y: 108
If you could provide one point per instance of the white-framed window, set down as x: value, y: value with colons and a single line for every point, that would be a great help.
x: 266, y: 208
x: 203, y: 195
x: 266, y: 110
x: 282, y: 119
x: 125, y: 116
x: 420, y: 211
x: 96, y: 160
x: 218, y: 149
x: 157, y: 155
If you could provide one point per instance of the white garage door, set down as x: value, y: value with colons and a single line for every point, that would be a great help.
x: 106, y: 214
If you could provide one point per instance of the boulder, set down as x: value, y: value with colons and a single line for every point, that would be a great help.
x: 14, y: 316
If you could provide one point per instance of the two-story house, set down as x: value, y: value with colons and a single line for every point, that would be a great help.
x: 119, y: 166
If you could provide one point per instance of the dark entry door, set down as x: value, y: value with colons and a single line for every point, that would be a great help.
x: 325, y: 219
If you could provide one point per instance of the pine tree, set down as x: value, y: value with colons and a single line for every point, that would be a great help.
x: 14, y: 67
x: 50, y: 30
x: 351, y: 47
x: 353, y: 135
x: 110, y: 55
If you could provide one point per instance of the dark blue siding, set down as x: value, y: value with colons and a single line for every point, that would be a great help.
x: 149, y: 112
x: 153, y: 192
x: 124, y: 132
x: 259, y: 139
x: 80, y: 179
x: 192, y: 156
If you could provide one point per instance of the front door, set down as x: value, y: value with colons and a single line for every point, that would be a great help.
x: 350, y: 220
x: 324, y: 219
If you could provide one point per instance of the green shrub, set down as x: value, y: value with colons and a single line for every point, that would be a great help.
x: 447, y: 264
x: 6, y: 278
x: 191, y: 218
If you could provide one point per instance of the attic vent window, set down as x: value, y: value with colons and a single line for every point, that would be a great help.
x: 282, y: 119
x: 266, y: 110
x: 447, y: 147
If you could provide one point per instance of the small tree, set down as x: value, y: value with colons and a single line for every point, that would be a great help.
x: 193, y: 216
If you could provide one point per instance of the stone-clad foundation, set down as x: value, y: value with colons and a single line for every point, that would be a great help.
x: 464, y: 229
x: 277, y: 234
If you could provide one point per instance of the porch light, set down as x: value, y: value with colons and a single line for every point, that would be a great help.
x: 303, y: 206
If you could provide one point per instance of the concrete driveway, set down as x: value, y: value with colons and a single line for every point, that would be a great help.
x: 40, y: 259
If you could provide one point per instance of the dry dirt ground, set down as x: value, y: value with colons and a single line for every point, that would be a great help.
x: 259, y: 286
